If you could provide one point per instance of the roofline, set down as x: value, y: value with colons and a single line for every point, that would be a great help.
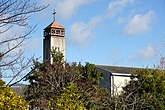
x: 52, y: 27
x: 124, y: 67
x: 120, y: 69
x: 49, y: 26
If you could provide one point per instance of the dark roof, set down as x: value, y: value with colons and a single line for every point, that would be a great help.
x: 118, y: 69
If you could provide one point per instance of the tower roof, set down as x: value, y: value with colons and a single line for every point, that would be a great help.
x: 54, y: 24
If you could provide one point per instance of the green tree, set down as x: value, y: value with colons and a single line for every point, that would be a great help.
x: 92, y: 74
x: 68, y: 98
x: 57, y: 56
x: 14, y: 14
x: 10, y: 101
x: 145, y: 92
x: 48, y: 79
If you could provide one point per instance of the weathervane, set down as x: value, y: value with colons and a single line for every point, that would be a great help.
x: 54, y: 13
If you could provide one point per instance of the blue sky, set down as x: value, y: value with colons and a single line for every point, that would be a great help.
x: 109, y: 32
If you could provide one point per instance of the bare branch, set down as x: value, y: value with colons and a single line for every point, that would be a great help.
x: 15, y: 13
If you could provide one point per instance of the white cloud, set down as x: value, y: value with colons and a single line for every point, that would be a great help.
x: 139, y: 23
x: 66, y: 8
x: 117, y: 6
x: 147, y: 53
x: 81, y: 33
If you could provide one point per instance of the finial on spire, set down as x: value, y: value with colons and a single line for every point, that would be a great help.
x: 54, y: 13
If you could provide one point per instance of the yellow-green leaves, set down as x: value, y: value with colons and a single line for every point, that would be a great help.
x: 69, y: 98
x: 10, y: 101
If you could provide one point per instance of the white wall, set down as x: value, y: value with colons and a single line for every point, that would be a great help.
x: 59, y: 42
x: 114, y: 83
x: 118, y: 82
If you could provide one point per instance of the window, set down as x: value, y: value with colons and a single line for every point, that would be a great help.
x: 57, y: 31
x: 62, y: 32
x: 53, y: 31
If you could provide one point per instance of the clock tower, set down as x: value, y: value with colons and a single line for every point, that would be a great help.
x: 54, y: 37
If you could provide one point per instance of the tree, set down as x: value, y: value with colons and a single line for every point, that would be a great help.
x: 49, y: 82
x: 46, y: 79
x: 146, y: 91
x: 68, y: 98
x: 10, y: 101
x: 14, y: 14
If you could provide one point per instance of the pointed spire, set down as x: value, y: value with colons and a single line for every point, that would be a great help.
x: 54, y: 13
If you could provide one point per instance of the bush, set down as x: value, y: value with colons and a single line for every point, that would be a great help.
x: 68, y: 98
x: 10, y: 101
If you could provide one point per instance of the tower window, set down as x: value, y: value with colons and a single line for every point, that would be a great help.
x: 53, y: 31
x: 62, y: 32
x: 57, y: 31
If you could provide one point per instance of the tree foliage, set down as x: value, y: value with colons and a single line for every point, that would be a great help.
x: 46, y: 79
x: 14, y: 14
x: 145, y: 92
x: 58, y: 84
x: 10, y: 101
x: 49, y: 80
x: 56, y: 55
x: 92, y: 74
x: 68, y: 98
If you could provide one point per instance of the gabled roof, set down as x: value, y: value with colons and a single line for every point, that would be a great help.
x: 54, y: 25
x: 118, y: 69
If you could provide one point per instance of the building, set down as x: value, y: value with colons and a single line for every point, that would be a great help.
x: 115, y: 77
x: 54, y: 37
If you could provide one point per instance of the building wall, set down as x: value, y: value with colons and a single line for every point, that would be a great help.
x: 58, y: 42
x: 118, y: 82
x: 115, y: 83
x: 46, y: 49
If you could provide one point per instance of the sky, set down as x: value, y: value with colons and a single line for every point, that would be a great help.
x: 105, y: 32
